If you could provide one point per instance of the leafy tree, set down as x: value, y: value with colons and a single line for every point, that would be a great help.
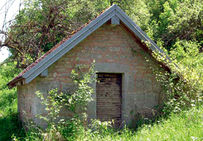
x: 43, y: 23
x: 176, y: 19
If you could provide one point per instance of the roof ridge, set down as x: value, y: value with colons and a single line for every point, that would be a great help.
x: 70, y: 41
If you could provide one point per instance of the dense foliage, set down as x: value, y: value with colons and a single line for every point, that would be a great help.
x: 8, y: 103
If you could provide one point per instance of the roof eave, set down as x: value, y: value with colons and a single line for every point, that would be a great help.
x: 13, y: 83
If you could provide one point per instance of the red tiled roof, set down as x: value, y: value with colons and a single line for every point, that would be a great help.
x: 19, y: 77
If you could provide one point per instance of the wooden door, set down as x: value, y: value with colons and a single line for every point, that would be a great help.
x: 109, y: 97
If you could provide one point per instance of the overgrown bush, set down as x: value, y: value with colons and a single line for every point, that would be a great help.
x: 9, y: 123
x: 182, y: 85
x: 75, y: 101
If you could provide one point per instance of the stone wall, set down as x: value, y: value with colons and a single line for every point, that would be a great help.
x: 115, y: 50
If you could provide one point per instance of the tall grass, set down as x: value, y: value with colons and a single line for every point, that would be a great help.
x: 185, y: 126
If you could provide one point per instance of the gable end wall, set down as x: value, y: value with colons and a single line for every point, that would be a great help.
x: 115, y: 50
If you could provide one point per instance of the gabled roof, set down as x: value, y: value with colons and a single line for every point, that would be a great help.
x: 113, y: 13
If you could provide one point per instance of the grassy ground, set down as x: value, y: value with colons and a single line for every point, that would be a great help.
x: 187, y: 125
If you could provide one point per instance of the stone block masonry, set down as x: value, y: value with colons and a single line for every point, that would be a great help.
x: 111, y: 48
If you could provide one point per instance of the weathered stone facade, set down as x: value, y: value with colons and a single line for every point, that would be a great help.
x: 115, y: 50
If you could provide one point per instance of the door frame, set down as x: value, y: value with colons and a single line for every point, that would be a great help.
x: 121, y: 95
x: 123, y: 69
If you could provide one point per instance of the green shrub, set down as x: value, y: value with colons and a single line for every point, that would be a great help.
x: 9, y: 123
x: 182, y: 85
x: 76, y: 98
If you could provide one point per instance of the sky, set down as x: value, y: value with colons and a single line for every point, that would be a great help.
x: 13, y: 10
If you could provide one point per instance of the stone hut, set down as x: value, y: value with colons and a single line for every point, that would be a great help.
x: 127, y: 85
